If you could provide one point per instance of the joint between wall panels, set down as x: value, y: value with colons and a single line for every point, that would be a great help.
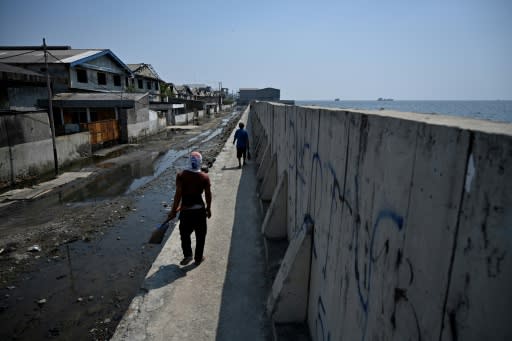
x: 456, y: 234
x: 347, y: 149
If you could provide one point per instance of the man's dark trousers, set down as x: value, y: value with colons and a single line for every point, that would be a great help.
x: 190, y: 221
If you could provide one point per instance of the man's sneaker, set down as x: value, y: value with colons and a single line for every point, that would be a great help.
x: 186, y: 260
x: 200, y: 261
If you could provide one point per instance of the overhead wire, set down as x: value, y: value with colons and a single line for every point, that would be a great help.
x: 51, y: 54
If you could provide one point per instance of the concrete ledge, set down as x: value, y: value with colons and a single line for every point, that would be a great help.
x: 42, y: 188
x: 109, y: 151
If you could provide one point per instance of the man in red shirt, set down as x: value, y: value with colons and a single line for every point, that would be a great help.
x: 188, y: 200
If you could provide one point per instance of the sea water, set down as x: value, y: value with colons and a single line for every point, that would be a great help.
x: 499, y: 110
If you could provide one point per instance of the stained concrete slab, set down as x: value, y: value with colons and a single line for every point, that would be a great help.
x: 38, y: 190
x: 108, y: 151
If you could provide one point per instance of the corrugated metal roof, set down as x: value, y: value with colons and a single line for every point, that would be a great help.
x: 55, y: 56
x: 18, y: 70
x: 79, y: 56
x: 252, y: 89
x: 104, y: 96
x: 134, y: 67
x: 198, y: 85
x: 36, y: 57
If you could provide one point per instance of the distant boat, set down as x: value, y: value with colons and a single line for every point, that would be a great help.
x: 384, y: 99
x: 336, y: 100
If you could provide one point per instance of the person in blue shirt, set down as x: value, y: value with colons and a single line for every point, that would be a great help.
x: 242, y: 143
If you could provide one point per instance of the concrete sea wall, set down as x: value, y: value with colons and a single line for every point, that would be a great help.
x: 409, y: 220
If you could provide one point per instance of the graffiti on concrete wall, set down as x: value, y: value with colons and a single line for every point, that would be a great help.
x: 322, y: 177
x: 366, y: 276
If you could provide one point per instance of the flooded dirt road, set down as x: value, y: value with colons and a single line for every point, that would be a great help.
x: 71, y: 261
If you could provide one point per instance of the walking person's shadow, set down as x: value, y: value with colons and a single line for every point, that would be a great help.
x: 165, y: 275
x: 230, y: 168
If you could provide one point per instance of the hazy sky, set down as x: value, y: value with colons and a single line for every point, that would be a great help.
x: 425, y: 49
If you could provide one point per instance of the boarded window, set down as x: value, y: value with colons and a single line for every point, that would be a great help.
x: 102, y: 78
x: 81, y: 75
x: 117, y: 80
x: 140, y: 83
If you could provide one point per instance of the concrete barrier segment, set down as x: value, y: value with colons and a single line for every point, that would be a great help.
x: 274, y: 224
x: 269, y: 182
x: 256, y: 131
x: 264, y: 164
x: 409, y: 209
x: 479, y: 297
x: 287, y: 301
x: 260, y: 148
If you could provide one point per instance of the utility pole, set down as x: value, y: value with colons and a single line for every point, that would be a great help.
x: 50, y: 109
x: 220, y: 95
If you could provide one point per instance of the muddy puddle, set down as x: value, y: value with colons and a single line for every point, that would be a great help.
x: 118, y: 181
x: 125, y: 179
x: 82, y: 288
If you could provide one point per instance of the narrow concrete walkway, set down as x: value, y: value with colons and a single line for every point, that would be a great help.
x: 224, y: 297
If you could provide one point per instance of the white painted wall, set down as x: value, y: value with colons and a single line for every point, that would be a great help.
x: 138, y: 130
x: 181, y: 119
x: 73, y: 147
x: 153, y: 122
x: 162, y: 123
x: 103, y: 64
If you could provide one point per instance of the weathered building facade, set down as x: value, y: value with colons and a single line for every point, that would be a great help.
x: 20, y: 88
x: 97, y: 101
x: 70, y: 69
x: 145, y: 79
x: 247, y: 95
